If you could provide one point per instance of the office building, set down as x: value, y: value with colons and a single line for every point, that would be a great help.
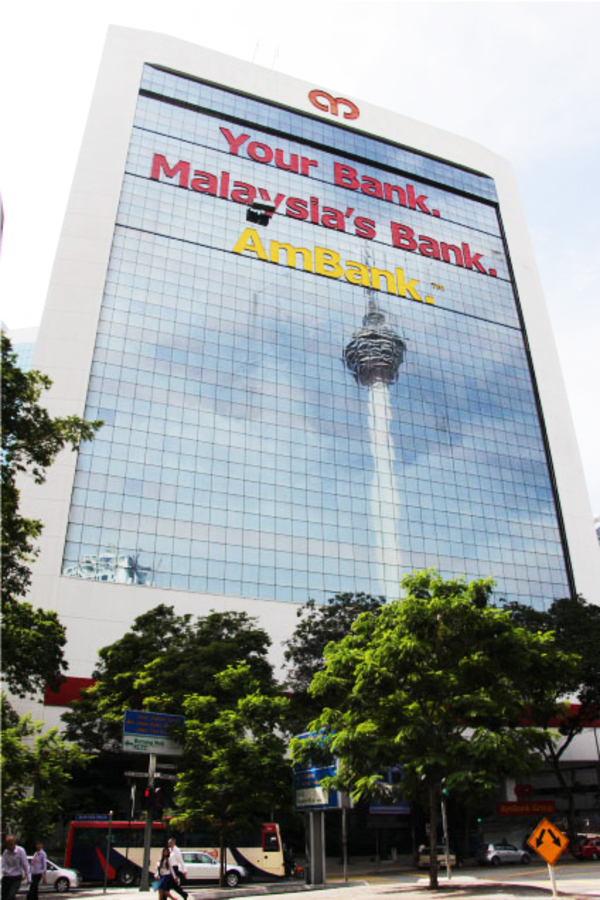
x: 317, y: 339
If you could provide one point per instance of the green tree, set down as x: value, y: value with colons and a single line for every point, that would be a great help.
x: 319, y: 625
x: 32, y: 639
x: 158, y: 663
x: 234, y: 767
x: 576, y: 628
x: 36, y: 771
x: 439, y: 681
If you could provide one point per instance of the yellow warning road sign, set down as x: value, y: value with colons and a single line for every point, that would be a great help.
x: 548, y: 841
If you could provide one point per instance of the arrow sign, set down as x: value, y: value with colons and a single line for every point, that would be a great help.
x: 555, y: 838
x: 540, y: 838
x: 548, y: 841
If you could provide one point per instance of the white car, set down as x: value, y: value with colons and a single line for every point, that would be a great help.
x: 202, y: 866
x: 503, y: 852
x: 60, y: 879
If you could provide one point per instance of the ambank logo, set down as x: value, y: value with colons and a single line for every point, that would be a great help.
x: 326, y: 103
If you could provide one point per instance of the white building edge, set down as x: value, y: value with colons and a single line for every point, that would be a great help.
x: 94, y: 613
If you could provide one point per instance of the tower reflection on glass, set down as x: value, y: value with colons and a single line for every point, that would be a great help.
x: 374, y: 356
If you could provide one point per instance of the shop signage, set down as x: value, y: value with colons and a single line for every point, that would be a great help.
x: 526, y: 808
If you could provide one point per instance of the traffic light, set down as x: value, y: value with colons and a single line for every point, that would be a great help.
x: 147, y: 798
x: 445, y: 791
x: 158, y: 802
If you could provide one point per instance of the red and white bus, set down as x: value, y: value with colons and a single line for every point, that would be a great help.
x: 261, y: 853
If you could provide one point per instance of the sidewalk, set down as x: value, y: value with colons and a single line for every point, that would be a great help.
x: 417, y: 888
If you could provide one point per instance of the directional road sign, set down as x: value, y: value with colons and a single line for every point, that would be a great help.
x: 149, y: 732
x: 548, y: 841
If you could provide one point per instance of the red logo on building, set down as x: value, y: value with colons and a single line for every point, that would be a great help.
x: 326, y: 103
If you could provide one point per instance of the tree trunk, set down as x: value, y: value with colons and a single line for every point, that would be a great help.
x: 433, y: 814
x: 466, y: 849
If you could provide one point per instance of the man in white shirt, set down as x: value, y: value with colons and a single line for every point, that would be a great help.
x: 38, y: 870
x: 177, y: 868
x: 14, y: 865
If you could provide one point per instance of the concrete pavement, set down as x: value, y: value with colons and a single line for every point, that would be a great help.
x: 389, y: 886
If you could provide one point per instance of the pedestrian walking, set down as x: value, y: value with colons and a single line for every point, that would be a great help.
x: 15, y: 865
x: 164, y: 875
x: 178, y: 869
x: 39, y: 865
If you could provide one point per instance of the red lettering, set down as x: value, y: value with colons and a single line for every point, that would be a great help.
x: 260, y: 152
x: 305, y: 165
x: 429, y: 247
x: 473, y: 261
x: 394, y: 189
x: 372, y: 187
x: 365, y: 228
x: 204, y: 183
x: 345, y: 176
x: 296, y: 208
x: 279, y: 198
x: 333, y: 218
x: 416, y: 202
x: 180, y: 168
x: 234, y: 143
x: 447, y: 249
x: 242, y: 192
x: 314, y: 210
x: 403, y: 236
x: 224, y: 190
x: 291, y: 166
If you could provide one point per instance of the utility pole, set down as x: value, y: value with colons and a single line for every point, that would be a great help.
x: 145, y: 880
x: 445, y: 793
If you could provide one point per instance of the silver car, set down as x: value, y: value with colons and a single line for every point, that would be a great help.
x: 201, y: 866
x: 60, y: 879
x: 503, y: 852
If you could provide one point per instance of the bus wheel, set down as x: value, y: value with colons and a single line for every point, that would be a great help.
x: 126, y: 876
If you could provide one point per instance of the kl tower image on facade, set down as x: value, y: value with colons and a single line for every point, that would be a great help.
x: 374, y: 355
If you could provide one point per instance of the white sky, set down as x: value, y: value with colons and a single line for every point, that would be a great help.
x: 519, y: 78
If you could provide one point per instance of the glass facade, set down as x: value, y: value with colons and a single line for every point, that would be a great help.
x: 319, y: 404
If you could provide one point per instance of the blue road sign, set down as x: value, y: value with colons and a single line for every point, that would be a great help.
x: 150, y: 723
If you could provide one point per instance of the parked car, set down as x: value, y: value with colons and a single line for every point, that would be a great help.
x: 60, y: 879
x: 502, y: 852
x: 587, y: 849
x: 202, y: 866
x: 424, y: 857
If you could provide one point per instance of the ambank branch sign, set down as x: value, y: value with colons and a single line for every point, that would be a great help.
x: 399, y: 234
x: 397, y: 218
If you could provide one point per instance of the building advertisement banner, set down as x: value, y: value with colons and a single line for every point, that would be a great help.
x: 319, y: 404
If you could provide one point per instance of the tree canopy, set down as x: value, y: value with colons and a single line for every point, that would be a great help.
x: 36, y: 771
x: 318, y: 626
x: 32, y: 639
x: 439, y: 682
x: 234, y: 767
x: 159, y: 662
x: 576, y: 628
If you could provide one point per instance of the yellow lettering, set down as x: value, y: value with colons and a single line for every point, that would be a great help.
x: 327, y: 262
x: 376, y: 275
x: 407, y: 287
x: 357, y: 273
x: 249, y: 240
x: 291, y: 255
